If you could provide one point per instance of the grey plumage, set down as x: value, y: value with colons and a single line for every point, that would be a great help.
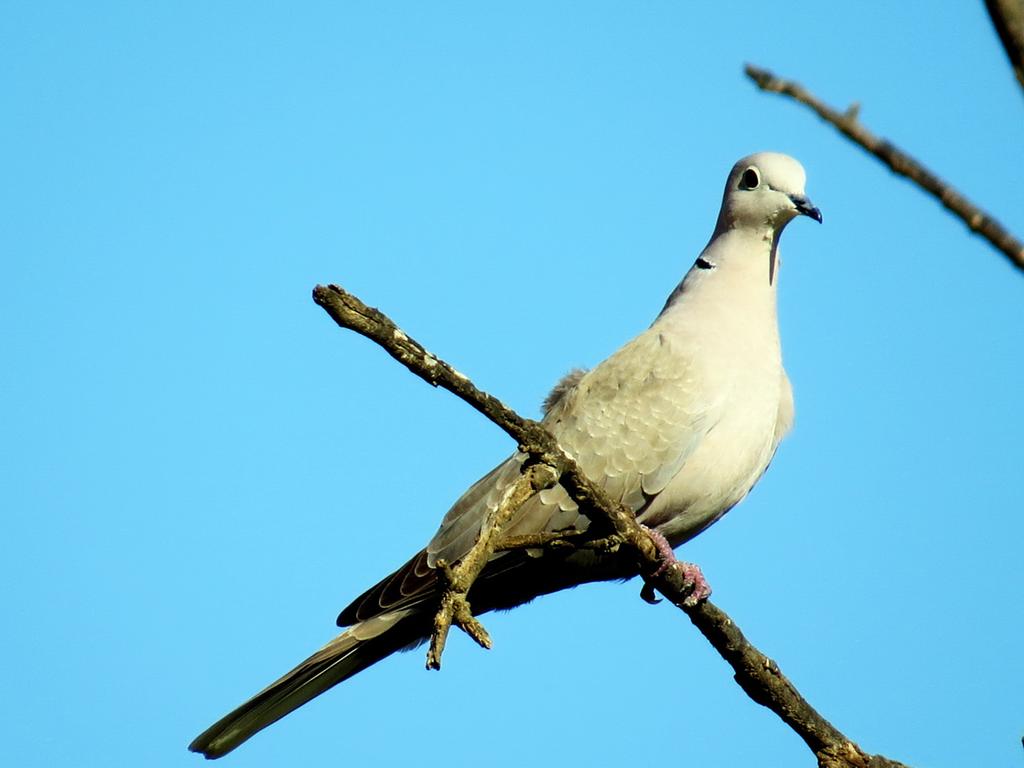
x: 678, y: 424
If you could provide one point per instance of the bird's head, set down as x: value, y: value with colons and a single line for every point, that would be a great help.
x: 765, y: 191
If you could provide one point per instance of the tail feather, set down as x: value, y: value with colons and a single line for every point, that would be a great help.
x: 351, y: 652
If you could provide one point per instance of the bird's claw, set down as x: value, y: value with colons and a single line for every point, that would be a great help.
x: 693, y: 578
x: 648, y: 595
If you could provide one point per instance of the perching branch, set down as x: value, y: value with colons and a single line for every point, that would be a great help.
x: 1008, y: 19
x: 456, y: 580
x: 759, y: 676
x: 900, y: 162
x: 535, y: 441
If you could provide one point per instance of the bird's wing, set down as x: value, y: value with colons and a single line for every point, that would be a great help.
x: 630, y: 424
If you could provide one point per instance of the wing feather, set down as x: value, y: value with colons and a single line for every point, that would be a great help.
x: 630, y: 424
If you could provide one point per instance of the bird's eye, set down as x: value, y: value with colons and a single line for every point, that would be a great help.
x: 750, y: 179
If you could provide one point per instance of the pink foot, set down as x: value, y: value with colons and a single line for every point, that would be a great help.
x: 692, y: 575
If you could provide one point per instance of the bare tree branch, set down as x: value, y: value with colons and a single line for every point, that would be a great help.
x: 900, y: 162
x: 459, y: 578
x: 535, y: 441
x: 759, y: 676
x: 1008, y: 19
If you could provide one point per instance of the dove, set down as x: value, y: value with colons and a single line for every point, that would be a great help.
x: 678, y: 425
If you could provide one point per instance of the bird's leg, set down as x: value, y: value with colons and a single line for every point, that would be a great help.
x: 692, y: 575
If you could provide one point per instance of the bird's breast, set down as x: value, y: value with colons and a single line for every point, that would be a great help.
x: 742, y: 366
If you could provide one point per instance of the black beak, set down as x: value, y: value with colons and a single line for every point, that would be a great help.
x: 806, y: 207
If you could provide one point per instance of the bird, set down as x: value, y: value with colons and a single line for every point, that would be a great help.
x: 678, y: 425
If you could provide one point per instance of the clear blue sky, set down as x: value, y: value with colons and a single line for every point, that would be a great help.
x: 198, y: 469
